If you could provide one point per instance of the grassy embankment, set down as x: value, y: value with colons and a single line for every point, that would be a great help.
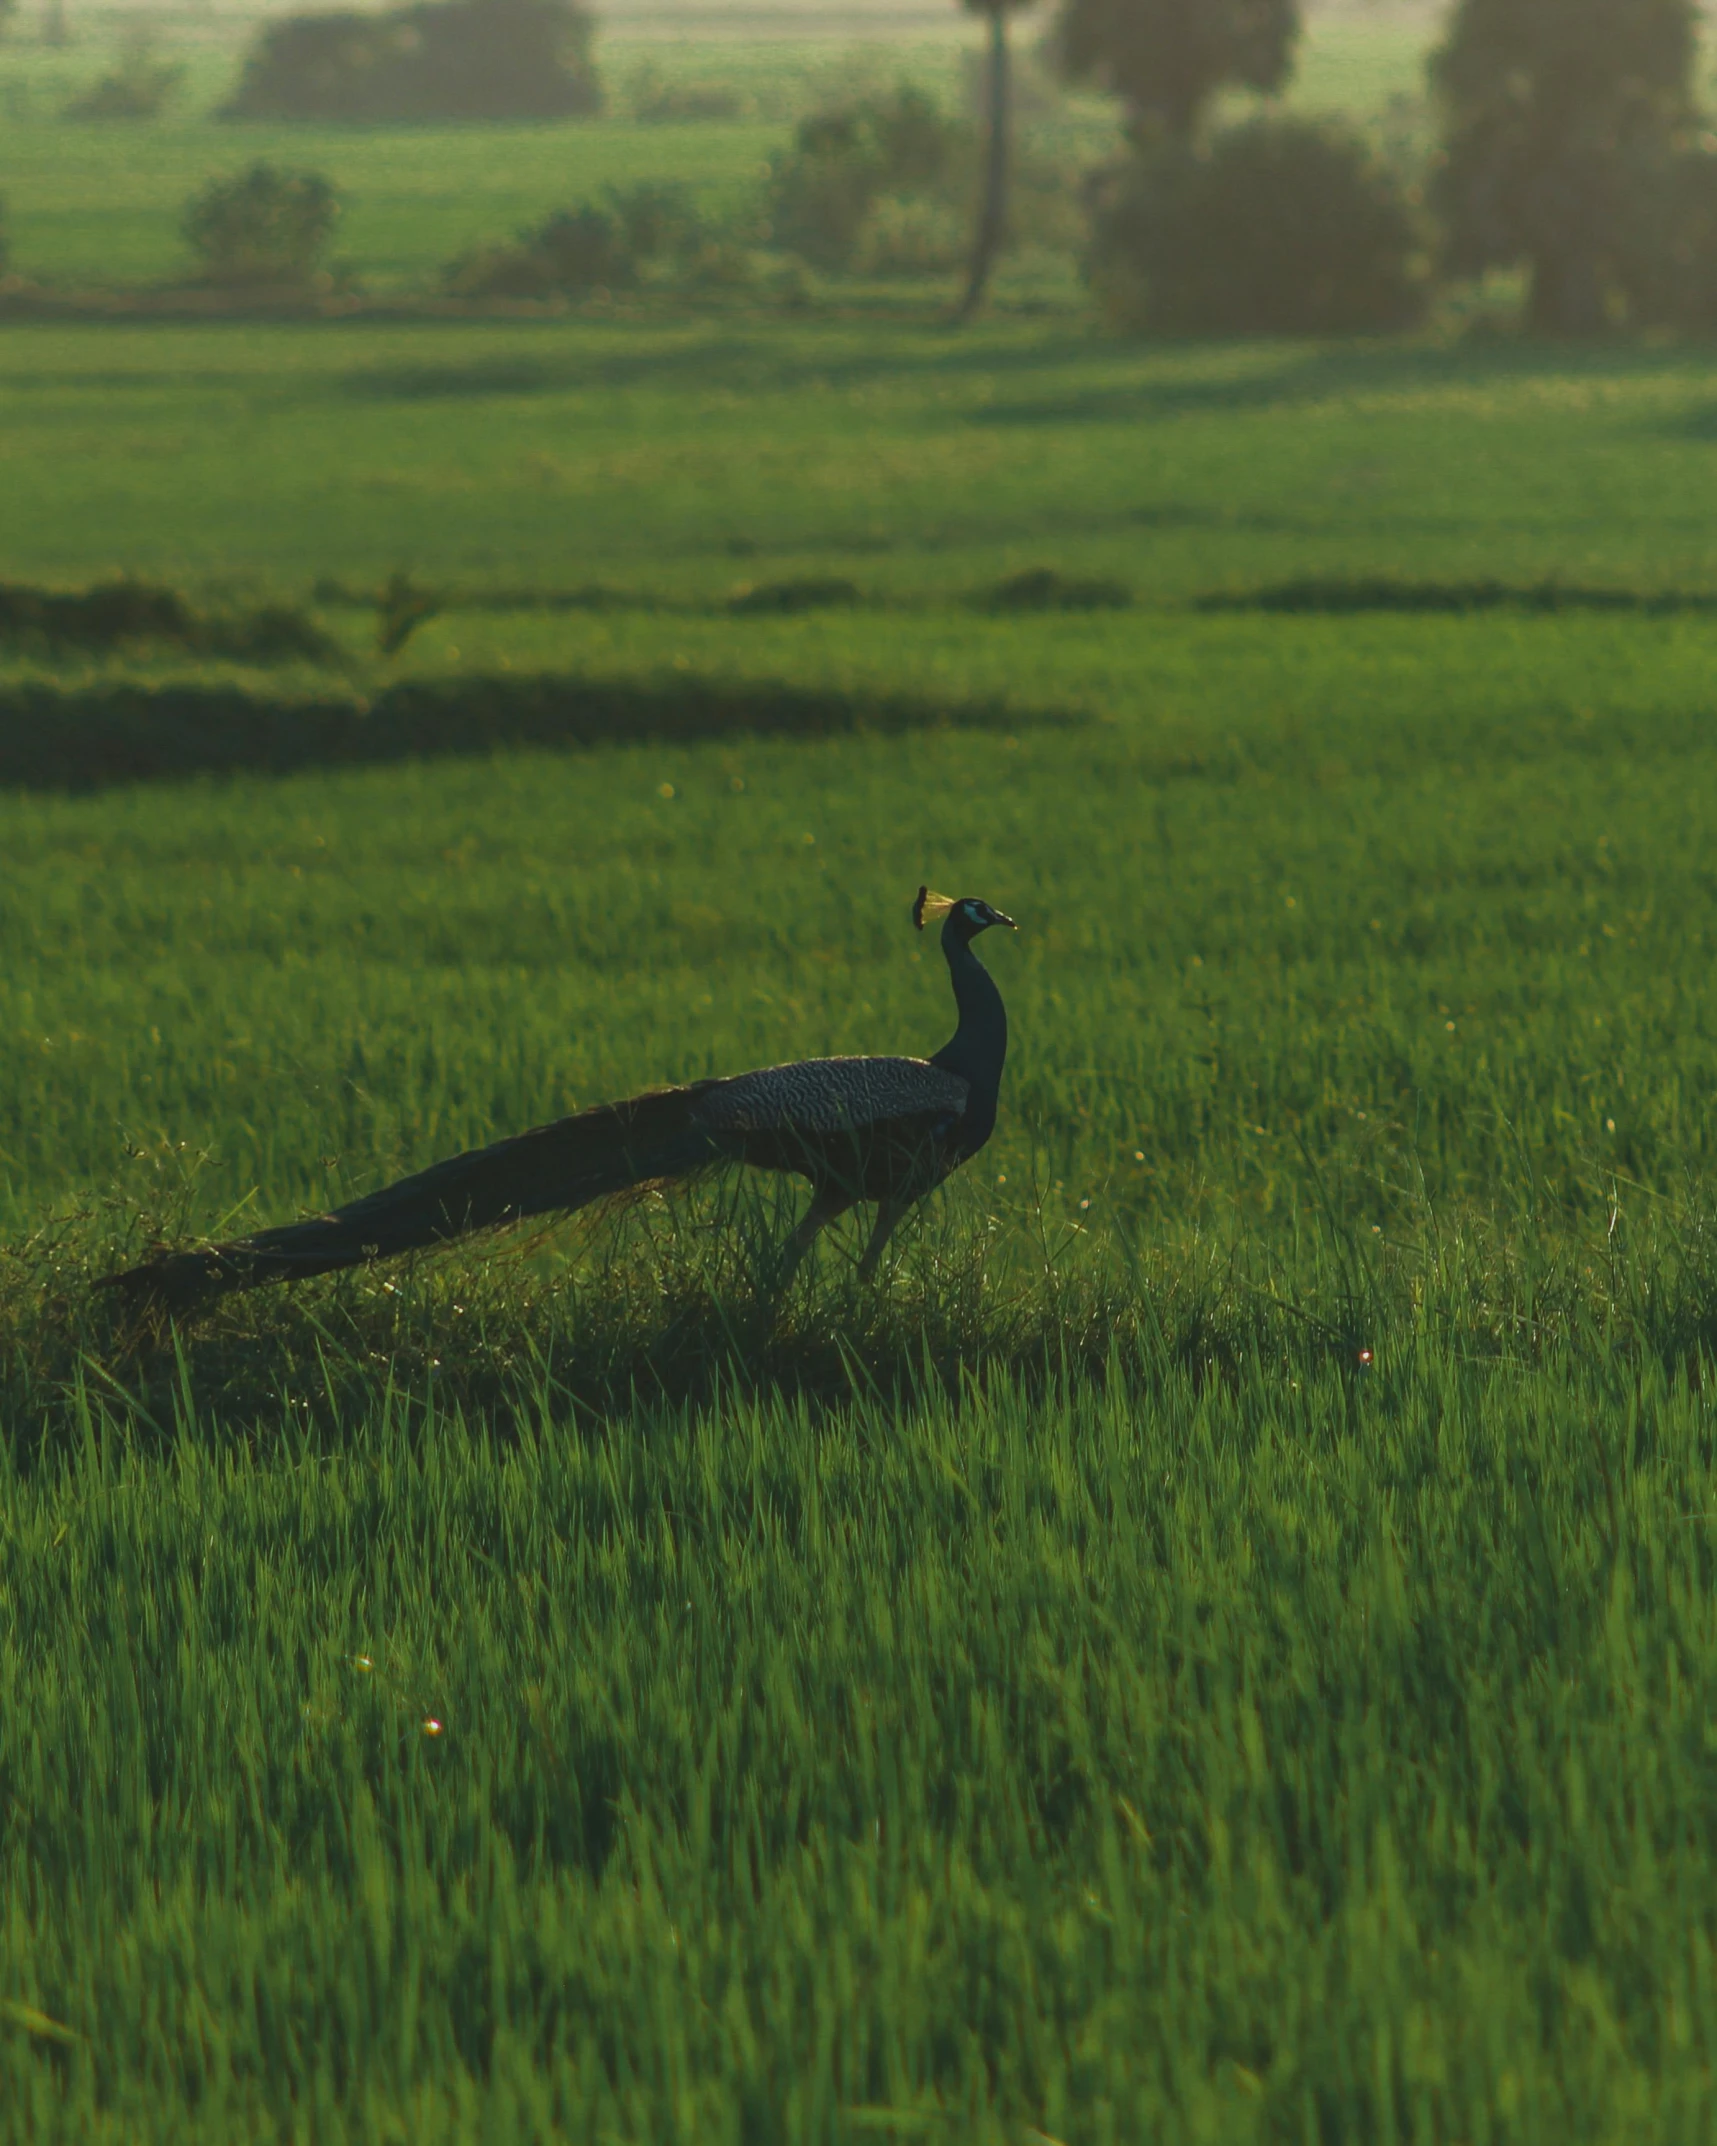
x: 1058, y: 1694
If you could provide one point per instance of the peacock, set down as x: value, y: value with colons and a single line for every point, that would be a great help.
x: 887, y: 1130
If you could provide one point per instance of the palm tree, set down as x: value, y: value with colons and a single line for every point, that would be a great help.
x: 1166, y: 59
x: 993, y: 205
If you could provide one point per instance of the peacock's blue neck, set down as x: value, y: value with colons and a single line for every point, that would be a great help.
x: 979, y: 1045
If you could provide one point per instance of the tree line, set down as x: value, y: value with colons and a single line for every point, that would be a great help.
x: 1572, y: 145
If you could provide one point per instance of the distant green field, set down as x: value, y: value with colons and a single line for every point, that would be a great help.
x: 102, y: 203
x: 1218, y: 1644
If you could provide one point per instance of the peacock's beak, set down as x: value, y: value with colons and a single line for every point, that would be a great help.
x: 996, y: 917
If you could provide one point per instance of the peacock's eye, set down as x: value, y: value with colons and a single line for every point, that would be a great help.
x: 973, y: 912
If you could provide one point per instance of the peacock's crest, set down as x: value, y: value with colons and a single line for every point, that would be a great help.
x: 930, y: 908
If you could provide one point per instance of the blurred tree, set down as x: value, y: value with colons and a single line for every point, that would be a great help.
x: 1562, y: 126
x: 262, y: 227
x: 427, y: 60
x: 993, y: 201
x: 1280, y: 226
x: 1167, y: 58
x: 138, y: 87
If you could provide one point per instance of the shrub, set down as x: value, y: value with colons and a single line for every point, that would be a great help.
x: 569, y: 254
x: 263, y: 227
x: 717, y: 264
x: 658, y: 220
x: 845, y: 158
x: 1278, y: 227
x: 588, y: 248
x: 138, y: 88
x: 818, y: 204
x: 906, y: 235
x: 459, y: 59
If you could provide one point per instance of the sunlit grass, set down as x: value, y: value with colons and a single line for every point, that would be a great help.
x: 1218, y: 1643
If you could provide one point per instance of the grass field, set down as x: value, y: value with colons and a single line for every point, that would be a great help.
x: 1221, y: 1642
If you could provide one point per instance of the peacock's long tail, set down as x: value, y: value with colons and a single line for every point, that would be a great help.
x: 553, y: 1170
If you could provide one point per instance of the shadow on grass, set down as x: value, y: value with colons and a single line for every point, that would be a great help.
x: 93, y: 737
x: 502, y: 377
x: 1172, y: 378
x: 774, y: 357
x: 1310, y: 374
x: 1335, y: 595
x: 115, y: 614
x: 676, y: 1300
x: 650, y: 1300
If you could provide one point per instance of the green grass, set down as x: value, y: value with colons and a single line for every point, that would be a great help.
x: 681, y: 458
x: 1068, y: 1691
x: 1296, y: 1761
x: 1257, y: 895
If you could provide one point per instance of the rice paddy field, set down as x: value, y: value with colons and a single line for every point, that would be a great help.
x: 1219, y: 1641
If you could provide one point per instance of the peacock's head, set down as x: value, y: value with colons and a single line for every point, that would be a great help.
x: 966, y: 916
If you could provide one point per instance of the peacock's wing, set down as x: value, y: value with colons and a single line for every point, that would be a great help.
x: 831, y: 1095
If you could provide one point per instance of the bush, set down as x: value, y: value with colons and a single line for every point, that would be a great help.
x: 138, y: 88
x: 1278, y: 227
x: 717, y: 265
x: 460, y: 59
x: 846, y: 158
x: 570, y: 254
x: 658, y: 220
x: 906, y: 235
x: 588, y: 248
x: 264, y: 227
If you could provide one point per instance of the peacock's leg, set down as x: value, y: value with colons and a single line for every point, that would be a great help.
x: 828, y: 1204
x: 888, y: 1214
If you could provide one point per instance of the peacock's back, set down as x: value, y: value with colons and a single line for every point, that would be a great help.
x: 830, y: 1095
